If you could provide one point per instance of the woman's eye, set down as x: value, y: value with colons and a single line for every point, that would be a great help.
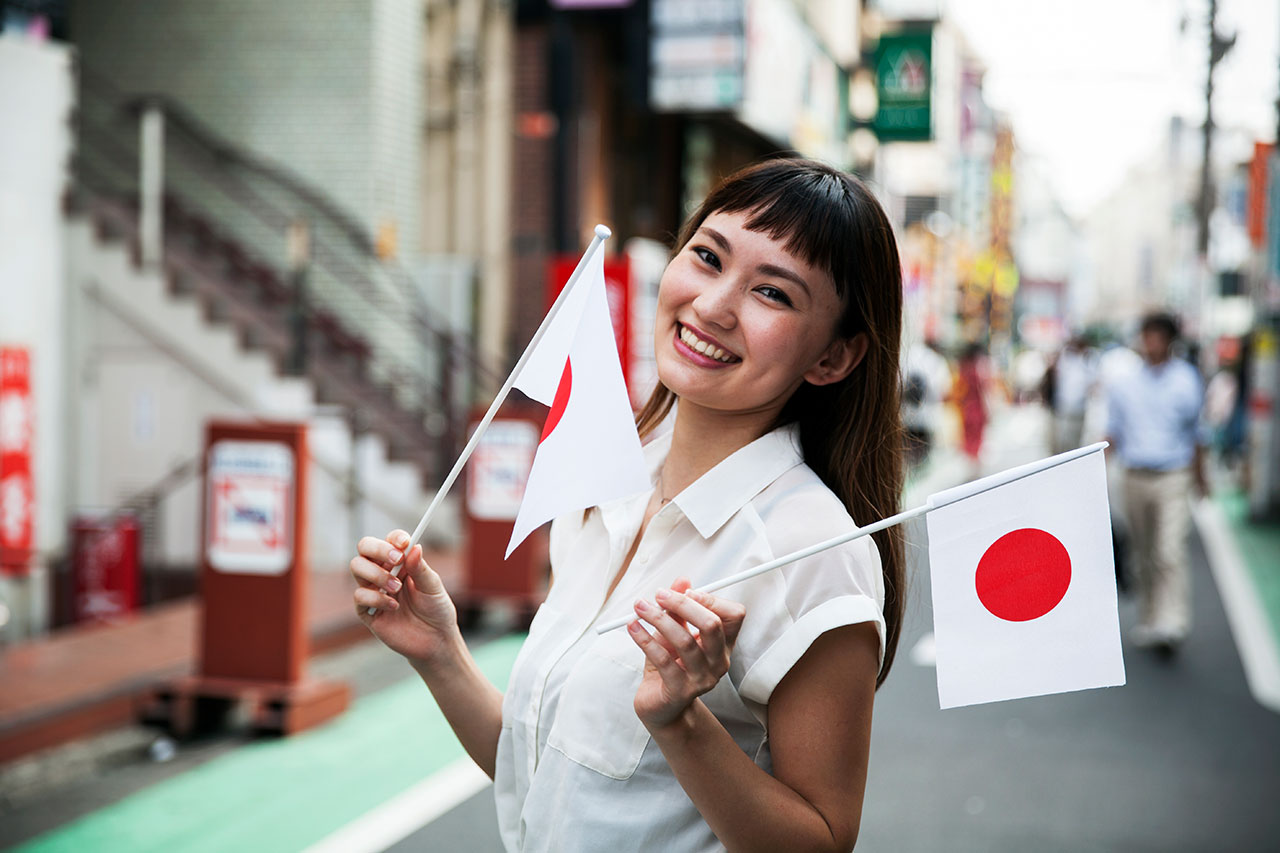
x: 774, y: 294
x: 707, y: 256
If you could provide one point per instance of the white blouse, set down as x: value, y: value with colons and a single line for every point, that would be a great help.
x: 576, y: 769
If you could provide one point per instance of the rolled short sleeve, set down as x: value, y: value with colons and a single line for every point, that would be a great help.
x: 838, y: 587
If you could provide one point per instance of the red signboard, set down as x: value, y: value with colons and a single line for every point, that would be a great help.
x: 105, y: 568
x: 17, y: 487
x: 617, y: 282
x: 255, y: 565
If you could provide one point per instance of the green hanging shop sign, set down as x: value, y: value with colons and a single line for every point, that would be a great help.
x: 904, y: 86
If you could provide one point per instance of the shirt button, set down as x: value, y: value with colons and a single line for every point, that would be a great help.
x: 642, y: 559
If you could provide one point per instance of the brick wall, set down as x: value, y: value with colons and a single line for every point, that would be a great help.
x: 531, y: 214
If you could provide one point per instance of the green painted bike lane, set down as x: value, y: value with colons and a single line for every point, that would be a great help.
x: 288, y: 793
x: 1259, y: 545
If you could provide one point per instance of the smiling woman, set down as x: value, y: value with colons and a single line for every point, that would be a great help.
x: 740, y: 722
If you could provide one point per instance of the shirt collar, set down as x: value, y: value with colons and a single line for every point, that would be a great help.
x: 713, y: 498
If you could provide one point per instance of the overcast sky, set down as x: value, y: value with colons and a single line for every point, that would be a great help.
x: 1091, y: 84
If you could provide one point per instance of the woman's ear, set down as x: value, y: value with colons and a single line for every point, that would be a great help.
x: 839, y: 360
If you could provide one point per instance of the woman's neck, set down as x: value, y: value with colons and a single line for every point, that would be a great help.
x: 703, y: 438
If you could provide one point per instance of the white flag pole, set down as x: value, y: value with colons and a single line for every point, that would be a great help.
x: 787, y: 558
x: 602, y: 233
x: 935, y: 501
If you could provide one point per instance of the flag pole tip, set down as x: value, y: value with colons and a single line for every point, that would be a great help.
x: 603, y: 232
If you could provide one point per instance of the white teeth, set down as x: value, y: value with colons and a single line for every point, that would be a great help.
x: 696, y: 343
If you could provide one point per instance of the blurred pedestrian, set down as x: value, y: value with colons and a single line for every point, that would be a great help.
x: 1071, y: 375
x: 1154, y: 424
x: 969, y: 393
x: 926, y: 383
x: 736, y: 721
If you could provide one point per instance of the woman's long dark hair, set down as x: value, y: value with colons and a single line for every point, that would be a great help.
x: 850, y: 431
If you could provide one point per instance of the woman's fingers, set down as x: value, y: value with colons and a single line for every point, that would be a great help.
x: 387, y: 552
x: 658, y: 655
x: 711, y: 634
x: 368, y: 572
x: 366, y: 597
x: 731, y: 613
x: 424, y: 577
x: 680, y: 642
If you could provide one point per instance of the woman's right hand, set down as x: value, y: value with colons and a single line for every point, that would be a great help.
x: 413, y: 616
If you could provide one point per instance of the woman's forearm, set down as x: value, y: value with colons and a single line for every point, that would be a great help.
x: 746, y: 808
x: 469, y: 701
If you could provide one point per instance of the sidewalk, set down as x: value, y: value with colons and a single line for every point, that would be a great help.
x: 83, y: 681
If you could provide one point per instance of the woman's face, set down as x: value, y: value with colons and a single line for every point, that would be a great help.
x: 742, y: 322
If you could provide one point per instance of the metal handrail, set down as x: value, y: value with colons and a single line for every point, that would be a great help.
x: 258, y: 201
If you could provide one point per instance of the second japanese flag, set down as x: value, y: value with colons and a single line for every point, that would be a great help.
x: 1024, y: 592
x: 589, y: 452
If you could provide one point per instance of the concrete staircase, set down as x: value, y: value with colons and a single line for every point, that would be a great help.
x: 157, y: 356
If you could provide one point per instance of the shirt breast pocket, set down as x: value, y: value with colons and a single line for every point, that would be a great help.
x: 596, y: 724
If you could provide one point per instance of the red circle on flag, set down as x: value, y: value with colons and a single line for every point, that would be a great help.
x: 1023, y: 575
x: 560, y: 402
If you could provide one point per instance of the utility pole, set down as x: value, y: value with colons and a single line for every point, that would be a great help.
x: 1219, y: 45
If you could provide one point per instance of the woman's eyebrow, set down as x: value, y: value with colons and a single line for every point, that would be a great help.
x: 782, y: 272
x: 719, y: 238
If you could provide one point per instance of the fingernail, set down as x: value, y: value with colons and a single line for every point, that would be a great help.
x: 393, y: 585
x: 395, y: 605
x: 394, y: 556
x: 642, y: 605
x: 664, y: 594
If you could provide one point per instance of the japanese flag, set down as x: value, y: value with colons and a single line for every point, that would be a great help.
x: 1024, y: 593
x: 589, y: 452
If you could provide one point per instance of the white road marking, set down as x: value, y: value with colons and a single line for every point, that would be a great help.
x: 403, y: 815
x: 1249, y: 625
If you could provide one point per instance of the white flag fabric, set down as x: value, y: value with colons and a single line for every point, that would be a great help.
x: 589, y: 452
x: 1024, y: 592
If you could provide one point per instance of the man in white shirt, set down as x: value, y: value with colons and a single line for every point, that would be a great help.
x: 1153, y: 421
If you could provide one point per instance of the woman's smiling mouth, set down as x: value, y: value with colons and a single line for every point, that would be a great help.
x: 705, y: 348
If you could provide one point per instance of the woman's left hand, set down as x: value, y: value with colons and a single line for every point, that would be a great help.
x: 680, y: 665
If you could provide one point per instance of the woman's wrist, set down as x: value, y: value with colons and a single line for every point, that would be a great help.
x: 682, y: 727
x: 448, y: 654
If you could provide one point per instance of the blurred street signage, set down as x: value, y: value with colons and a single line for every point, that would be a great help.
x: 697, y: 53
x: 757, y: 60
x: 499, y: 469
x: 904, y: 86
x: 591, y: 4
x: 249, y: 522
x: 17, y: 485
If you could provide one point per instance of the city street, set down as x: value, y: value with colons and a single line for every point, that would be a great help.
x: 1181, y: 758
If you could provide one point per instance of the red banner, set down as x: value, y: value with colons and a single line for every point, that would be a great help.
x: 1257, y: 215
x: 17, y: 489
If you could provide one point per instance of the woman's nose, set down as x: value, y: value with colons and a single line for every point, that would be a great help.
x: 717, y: 304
